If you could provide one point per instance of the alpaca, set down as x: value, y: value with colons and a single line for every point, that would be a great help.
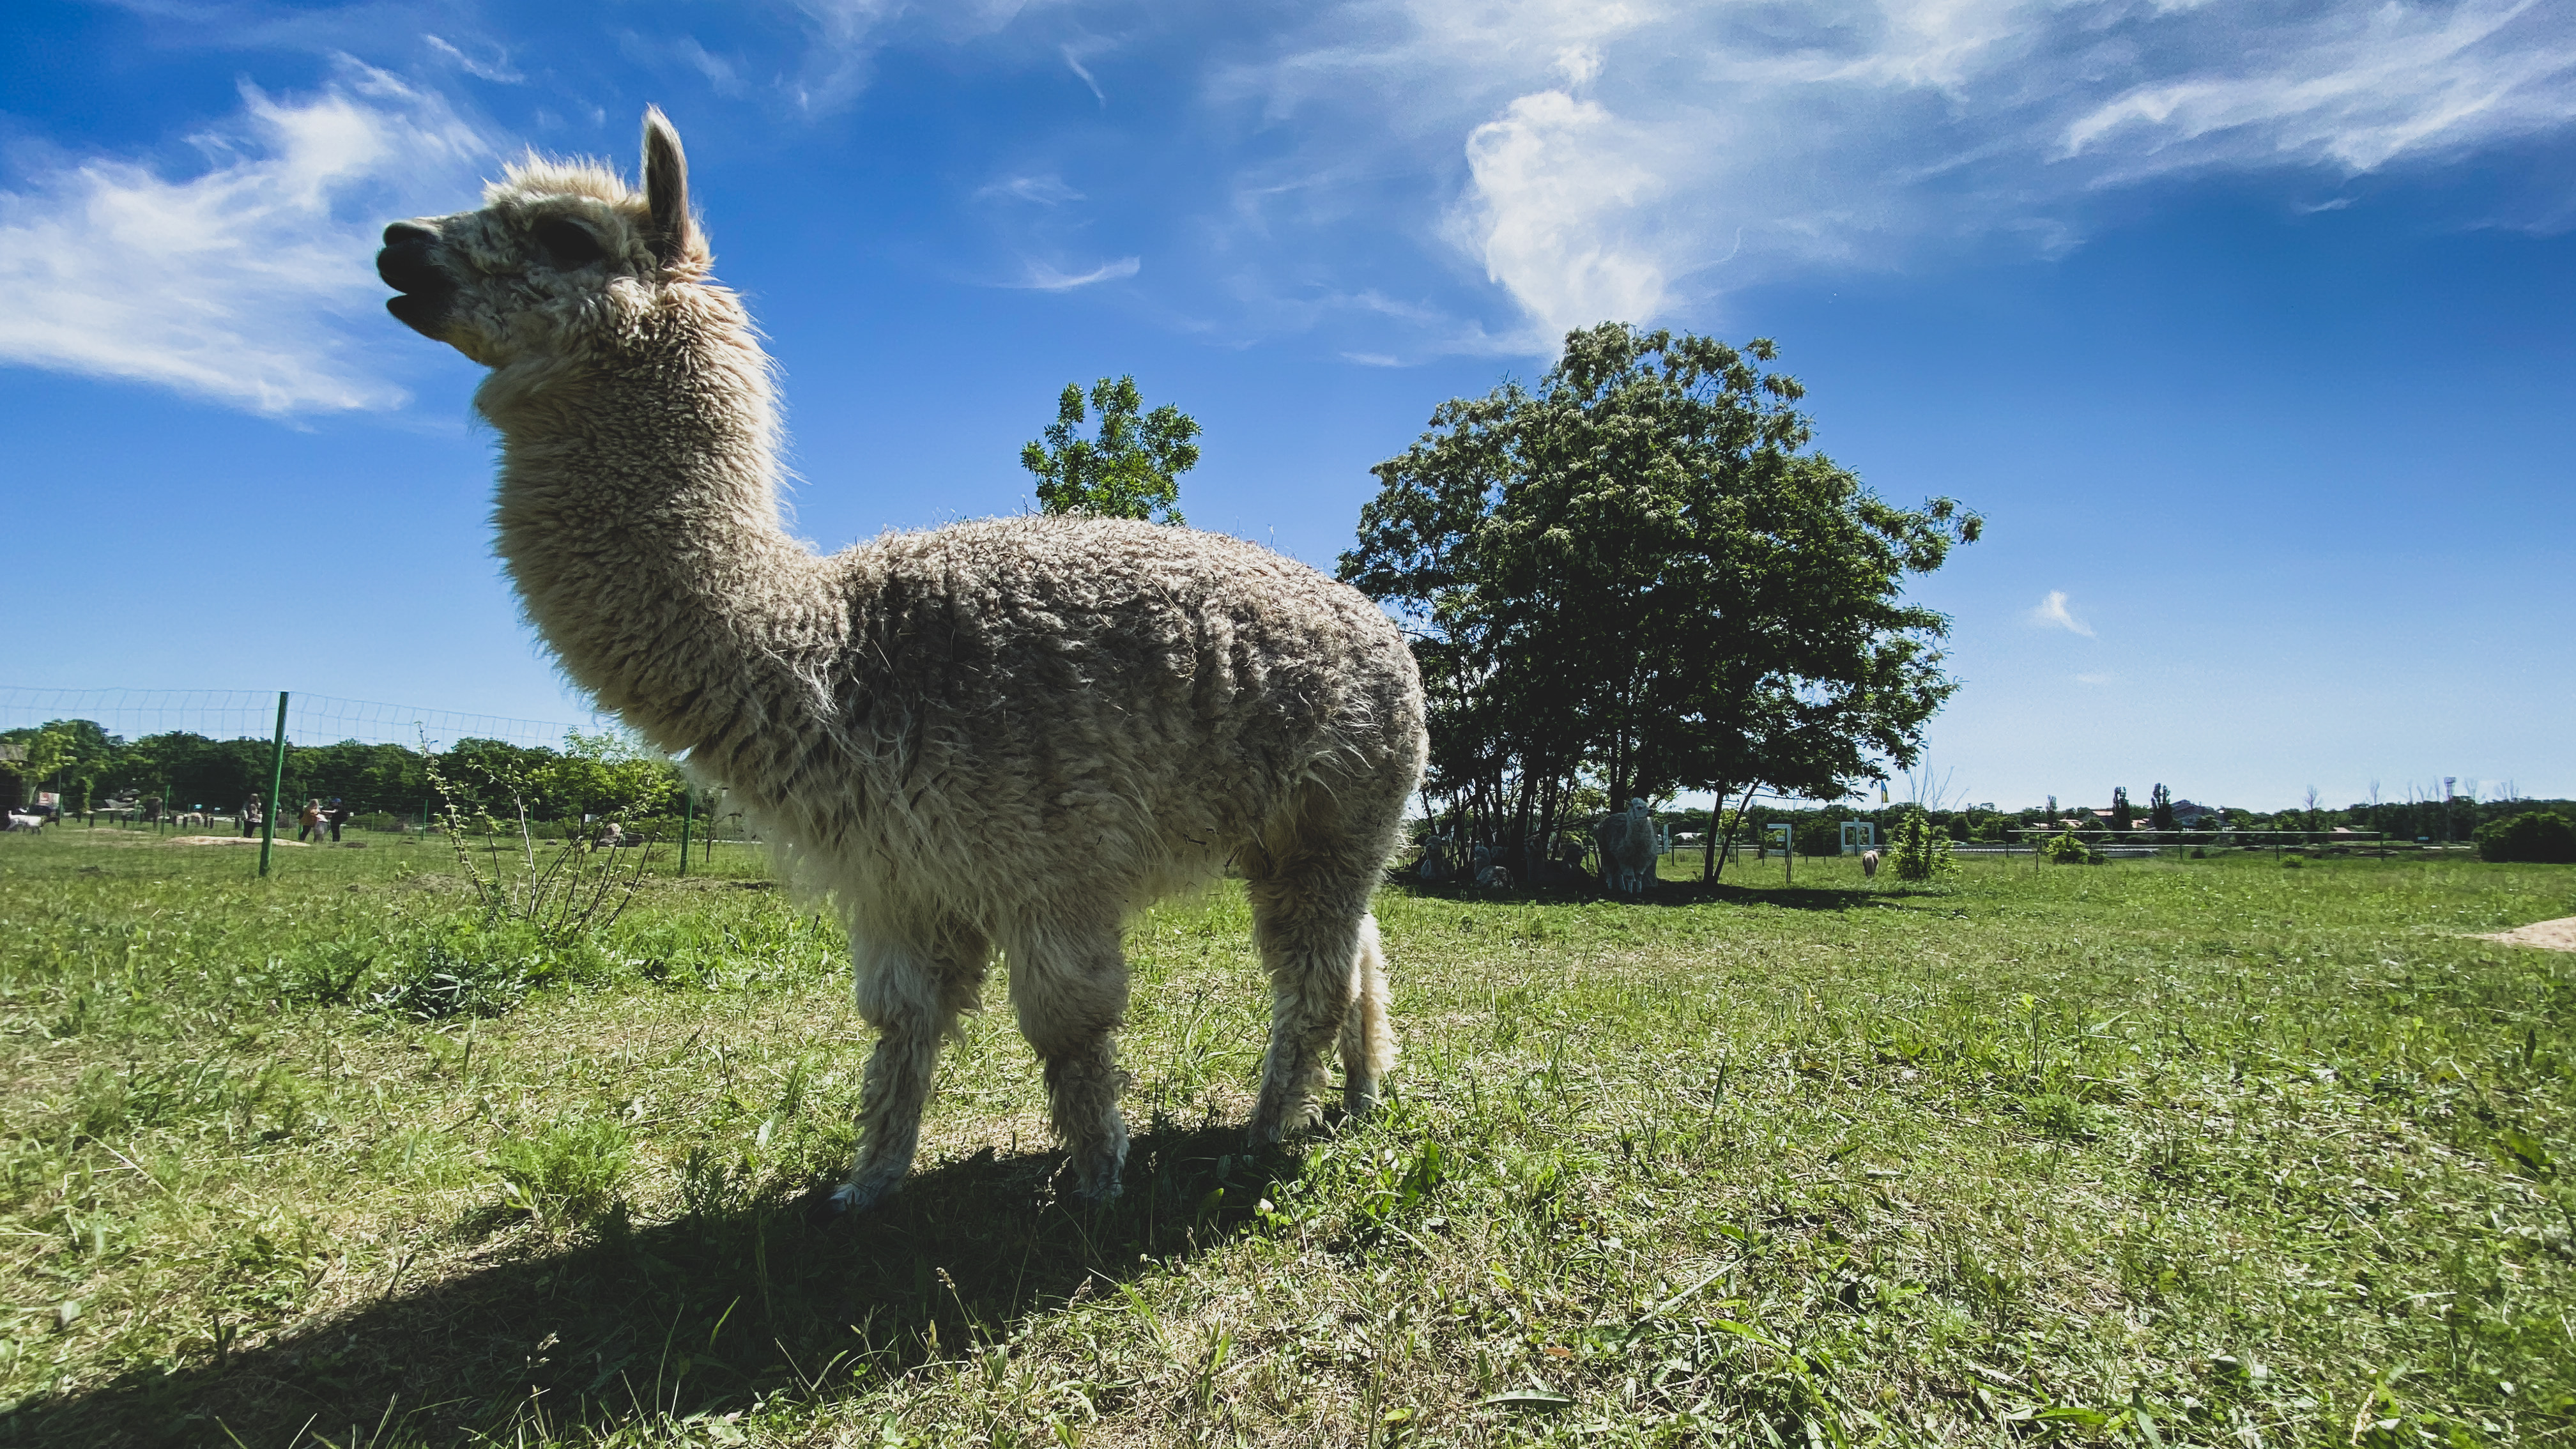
x: 1627, y: 844
x: 1869, y: 864
x: 1002, y: 735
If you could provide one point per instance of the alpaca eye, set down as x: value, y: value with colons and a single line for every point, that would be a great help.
x: 568, y: 244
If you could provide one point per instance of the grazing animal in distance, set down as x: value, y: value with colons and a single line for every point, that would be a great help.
x: 1869, y: 864
x: 1002, y: 735
x: 1627, y: 844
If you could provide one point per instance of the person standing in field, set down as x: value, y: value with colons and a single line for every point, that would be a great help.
x: 309, y: 824
x: 251, y: 816
x: 336, y: 816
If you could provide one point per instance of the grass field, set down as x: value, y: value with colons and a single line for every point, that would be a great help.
x: 2210, y: 1152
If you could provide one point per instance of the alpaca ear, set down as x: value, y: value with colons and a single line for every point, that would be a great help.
x: 666, y: 188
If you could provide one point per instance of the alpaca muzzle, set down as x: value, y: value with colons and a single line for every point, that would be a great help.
x: 409, y: 265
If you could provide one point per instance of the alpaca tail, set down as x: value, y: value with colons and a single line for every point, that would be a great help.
x: 1368, y: 1041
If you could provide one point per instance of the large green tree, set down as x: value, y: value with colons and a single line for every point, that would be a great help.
x: 1639, y: 574
x: 1130, y: 469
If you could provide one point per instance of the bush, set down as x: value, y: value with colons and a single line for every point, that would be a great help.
x: 2534, y: 835
x: 2069, y: 849
x: 1917, y: 851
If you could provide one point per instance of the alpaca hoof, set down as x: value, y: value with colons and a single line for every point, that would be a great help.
x: 1096, y: 1195
x: 1359, y: 1099
x: 852, y: 1198
x: 822, y: 1207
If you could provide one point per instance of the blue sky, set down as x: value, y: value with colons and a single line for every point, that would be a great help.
x: 2249, y: 327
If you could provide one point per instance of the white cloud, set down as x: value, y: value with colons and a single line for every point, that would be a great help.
x: 1639, y: 160
x: 1042, y: 190
x: 2051, y: 612
x: 1073, y: 59
x: 2097, y: 680
x: 1556, y: 201
x: 847, y: 34
x: 2365, y: 85
x: 1043, y: 278
x: 498, y: 69
x: 252, y: 281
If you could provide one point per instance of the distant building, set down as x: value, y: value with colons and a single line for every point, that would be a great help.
x: 2188, y: 816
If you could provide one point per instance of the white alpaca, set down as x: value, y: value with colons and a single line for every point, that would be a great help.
x: 1627, y: 844
x: 1010, y: 734
x: 1869, y: 864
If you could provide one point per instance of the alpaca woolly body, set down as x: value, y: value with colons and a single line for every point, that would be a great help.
x: 1007, y: 735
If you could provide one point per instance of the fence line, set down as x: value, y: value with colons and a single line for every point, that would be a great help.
x: 311, y: 719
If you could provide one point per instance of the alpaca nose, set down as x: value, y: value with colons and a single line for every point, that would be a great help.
x: 409, y: 265
x: 409, y: 261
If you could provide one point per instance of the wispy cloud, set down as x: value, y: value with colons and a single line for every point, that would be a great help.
x: 497, y: 70
x: 847, y: 35
x: 723, y: 75
x: 1041, y: 190
x: 2052, y: 612
x: 1639, y: 159
x: 1041, y: 277
x: 1073, y: 55
x: 2098, y: 679
x: 251, y: 281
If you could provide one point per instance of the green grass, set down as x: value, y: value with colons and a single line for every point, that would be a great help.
x: 2203, y: 1152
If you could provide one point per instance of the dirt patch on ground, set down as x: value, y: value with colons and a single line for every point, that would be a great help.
x: 2557, y: 935
x: 230, y: 840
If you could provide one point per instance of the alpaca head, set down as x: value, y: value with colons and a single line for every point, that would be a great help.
x: 561, y: 257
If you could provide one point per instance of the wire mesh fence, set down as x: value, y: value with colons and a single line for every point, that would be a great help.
x: 242, y: 762
x: 311, y: 719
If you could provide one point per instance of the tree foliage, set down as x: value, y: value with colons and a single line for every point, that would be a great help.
x: 598, y: 774
x: 1639, y: 574
x: 1130, y: 469
x: 2535, y: 835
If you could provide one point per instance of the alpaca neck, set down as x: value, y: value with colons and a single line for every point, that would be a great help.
x: 638, y: 516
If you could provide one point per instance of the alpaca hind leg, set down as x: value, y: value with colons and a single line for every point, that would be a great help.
x: 1070, y: 989
x: 1368, y: 1042
x: 1310, y: 941
x: 913, y: 996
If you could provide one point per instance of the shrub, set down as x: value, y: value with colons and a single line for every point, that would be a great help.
x: 2069, y: 849
x: 2534, y: 835
x: 1917, y: 851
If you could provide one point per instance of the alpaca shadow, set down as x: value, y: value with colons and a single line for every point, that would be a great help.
x: 707, y: 1314
x: 1667, y: 895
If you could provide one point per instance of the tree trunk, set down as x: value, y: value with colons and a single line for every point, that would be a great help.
x: 1708, y: 842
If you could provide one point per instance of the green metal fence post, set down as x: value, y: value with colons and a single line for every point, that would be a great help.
x: 276, y: 785
x: 688, y: 813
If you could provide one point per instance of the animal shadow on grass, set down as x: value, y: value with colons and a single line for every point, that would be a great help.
x: 1666, y: 895
x: 708, y: 1313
